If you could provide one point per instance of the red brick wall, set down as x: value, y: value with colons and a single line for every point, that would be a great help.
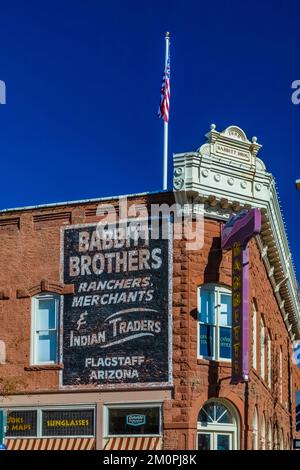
x: 196, y: 381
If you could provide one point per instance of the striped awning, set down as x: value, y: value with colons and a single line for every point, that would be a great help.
x: 133, y: 443
x: 51, y: 444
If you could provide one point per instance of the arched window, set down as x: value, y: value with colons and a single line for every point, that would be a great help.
x: 270, y: 434
x: 217, y: 426
x: 254, y: 340
x: 262, y: 349
x: 255, y: 429
x: 44, y: 331
x: 214, y: 322
x: 263, y: 432
x: 269, y: 346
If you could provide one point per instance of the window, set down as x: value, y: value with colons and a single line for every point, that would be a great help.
x: 133, y: 420
x: 2, y: 352
x: 254, y: 331
x: 45, y: 315
x: 276, y: 439
x: 280, y: 375
x: 281, y: 443
x: 215, y: 322
x: 255, y: 429
x: 262, y: 349
x: 270, y: 444
x: 269, y: 361
x: 21, y: 423
x: 263, y: 433
x: 218, y: 426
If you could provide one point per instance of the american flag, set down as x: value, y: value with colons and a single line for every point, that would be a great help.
x: 164, y: 106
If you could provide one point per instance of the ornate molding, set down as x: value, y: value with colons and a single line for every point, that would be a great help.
x: 227, y: 175
x: 45, y: 286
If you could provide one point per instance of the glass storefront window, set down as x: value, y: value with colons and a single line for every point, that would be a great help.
x: 123, y: 421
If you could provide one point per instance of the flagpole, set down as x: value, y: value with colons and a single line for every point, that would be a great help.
x: 166, y: 124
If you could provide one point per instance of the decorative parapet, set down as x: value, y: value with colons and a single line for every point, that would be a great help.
x: 226, y: 175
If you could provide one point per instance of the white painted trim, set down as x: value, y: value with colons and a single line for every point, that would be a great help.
x: 217, y: 289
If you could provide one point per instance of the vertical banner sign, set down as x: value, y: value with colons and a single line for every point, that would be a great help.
x: 237, y: 317
x: 236, y: 235
x: 240, y: 317
x: 116, y: 324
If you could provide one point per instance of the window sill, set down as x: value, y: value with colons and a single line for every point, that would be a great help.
x: 44, y: 367
x: 220, y: 363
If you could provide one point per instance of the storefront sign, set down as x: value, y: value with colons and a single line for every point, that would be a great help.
x: 236, y: 234
x: 116, y: 325
x: 67, y: 422
x: 21, y: 423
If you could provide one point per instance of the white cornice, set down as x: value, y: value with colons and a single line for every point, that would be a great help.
x: 227, y: 176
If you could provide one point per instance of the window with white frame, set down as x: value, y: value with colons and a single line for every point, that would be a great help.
x: 262, y: 349
x: 269, y: 361
x: 44, y: 334
x: 215, y: 322
x: 254, y: 331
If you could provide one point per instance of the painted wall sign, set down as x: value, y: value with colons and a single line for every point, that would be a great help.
x: 236, y: 235
x: 21, y: 423
x: 116, y: 325
x: 68, y: 422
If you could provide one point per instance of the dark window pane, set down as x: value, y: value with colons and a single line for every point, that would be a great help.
x: 206, y: 340
x: 21, y: 423
x: 225, y: 342
x: 68, y: 422
x: 222, y: 442
x: 203, y: 441
x: 133, y: 421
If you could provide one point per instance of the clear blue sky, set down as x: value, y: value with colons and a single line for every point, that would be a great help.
x: 83, y: 82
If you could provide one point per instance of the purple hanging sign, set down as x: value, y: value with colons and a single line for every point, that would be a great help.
x: 236, y: 234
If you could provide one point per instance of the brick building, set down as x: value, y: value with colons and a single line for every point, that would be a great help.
x: 158, y: 374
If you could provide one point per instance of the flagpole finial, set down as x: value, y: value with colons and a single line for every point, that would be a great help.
x: 167, y: 34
